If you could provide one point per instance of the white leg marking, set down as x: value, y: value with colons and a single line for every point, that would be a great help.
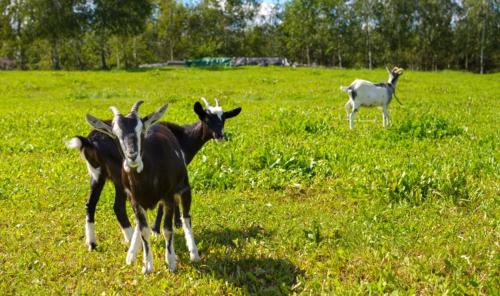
x: 385, y: 117
x: 127, y: 234
x: 351, y: 120
x: 348, y: 108
x: 134, y: 246
x: 90, y: 235
x: 148, y: 257
x: 190, y: 243
x: 169, y: 250
x: 93, y: 172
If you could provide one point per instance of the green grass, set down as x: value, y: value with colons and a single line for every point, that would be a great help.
x: 294, y: 202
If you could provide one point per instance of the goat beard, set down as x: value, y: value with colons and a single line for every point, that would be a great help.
x: 139, y: 167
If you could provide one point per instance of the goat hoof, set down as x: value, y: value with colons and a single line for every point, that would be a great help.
x: 194, y: 257
x: 92, y: 246
x: 130, y: 259
x: 155, y: 234
x: 170, y: 260
x: 148, y: 268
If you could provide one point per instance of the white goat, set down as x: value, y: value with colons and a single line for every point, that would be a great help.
x: 366, y: 93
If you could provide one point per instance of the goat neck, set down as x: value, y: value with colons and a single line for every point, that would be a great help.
x: 196, y: 135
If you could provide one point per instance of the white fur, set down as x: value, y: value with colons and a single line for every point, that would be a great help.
x: 367, y: 94
x: 127, y: 163
x: 138, y: 131
x: 169, y: 252
x: 89, y: 234
x: 134, y: 246
x: 127, y: 234
x: 93, y: 172
x: 180, y: 154
x: 216, y: 110
x: 148, y: 257
x: 127, y: 166
x: 190, y: 243
x: 74, y: 143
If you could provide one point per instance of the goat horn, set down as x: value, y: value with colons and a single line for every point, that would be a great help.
x: 136, y: 106
x: 216, y: 102
x: 115, y: 110
x: 207, y: 104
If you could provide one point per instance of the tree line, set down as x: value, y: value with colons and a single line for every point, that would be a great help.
x: 91, y: 34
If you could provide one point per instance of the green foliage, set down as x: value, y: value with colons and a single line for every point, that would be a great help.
x: 428, y: 127
x: 78, y: 34
x: 293, y: 202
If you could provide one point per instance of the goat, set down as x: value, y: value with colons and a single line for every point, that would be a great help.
x: 103, y: 161
x: 153, y: 171
x: 366, y: 93
x: 193, y: 137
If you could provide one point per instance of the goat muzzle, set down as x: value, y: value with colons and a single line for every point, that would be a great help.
x: 136, y: 164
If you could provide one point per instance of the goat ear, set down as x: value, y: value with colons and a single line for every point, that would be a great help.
x: 100, y: 126
x: 198, y: 109
x: 152, y: 118
x: 232, y: 113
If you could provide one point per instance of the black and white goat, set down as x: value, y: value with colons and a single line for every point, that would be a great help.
x: 153, y: 171
x: 366, y: 93
x: 192, y: 137
x: 104, y: 161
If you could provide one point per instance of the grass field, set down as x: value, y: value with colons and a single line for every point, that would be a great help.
x: 293, y: 202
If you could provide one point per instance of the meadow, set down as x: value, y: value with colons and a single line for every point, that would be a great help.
x: 292, y: 203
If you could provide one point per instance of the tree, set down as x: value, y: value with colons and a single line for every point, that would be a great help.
x: 56, y: 20
x: 18, y: 29
x: 300, y: 28
x: 120, y: 17
x: 172, y: 24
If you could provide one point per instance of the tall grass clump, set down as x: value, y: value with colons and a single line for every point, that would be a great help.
x: 416, y: 187
x: 426, y: 127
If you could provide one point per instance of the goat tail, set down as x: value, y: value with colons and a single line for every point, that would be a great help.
x: 79, y: 142
x: 345, y: 88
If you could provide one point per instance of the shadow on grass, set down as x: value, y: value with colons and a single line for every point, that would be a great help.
x: 262, y: 276
x: 231, y: 237
x: 268, y: 276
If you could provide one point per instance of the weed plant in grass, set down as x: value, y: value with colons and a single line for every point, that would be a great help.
x: 293, y: 202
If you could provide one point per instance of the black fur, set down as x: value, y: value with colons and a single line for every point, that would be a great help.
x: 102, y: 151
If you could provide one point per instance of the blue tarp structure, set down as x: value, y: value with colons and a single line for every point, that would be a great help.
x: 209, y: 62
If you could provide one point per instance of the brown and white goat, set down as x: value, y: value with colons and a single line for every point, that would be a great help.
x: 153, y: 171
x: 103, y: 161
